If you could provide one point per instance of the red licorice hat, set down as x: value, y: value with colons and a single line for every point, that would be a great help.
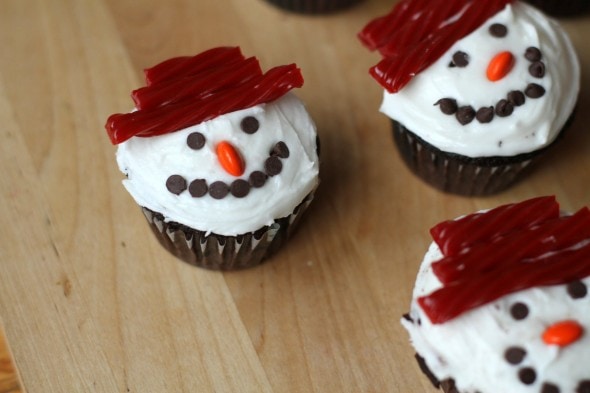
x: 416, y: 33
x: 184, y: 91
x: 510, y: 248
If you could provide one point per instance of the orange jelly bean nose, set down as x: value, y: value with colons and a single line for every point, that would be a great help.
x: 500, y: 66
x: 563, y: 333
x: 230, y: 159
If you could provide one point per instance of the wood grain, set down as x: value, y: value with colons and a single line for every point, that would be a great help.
x: 91, y: 303
x: 8, y: 376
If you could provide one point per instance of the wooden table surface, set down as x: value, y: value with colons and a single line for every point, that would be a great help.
x: 90, y: 302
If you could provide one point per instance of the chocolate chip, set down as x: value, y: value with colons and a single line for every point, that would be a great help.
x: 176, y: 184
x: 519, y: 311
x: 537, y: 69
x: 448, y: 106
x: 514, y: 355
x: 257, y: 179
x: 504, y: 108
x: 498, y: 30
x: 239, y: 188
x: 198, y: 188
x: 516, y: 97
x: 195, y: 140
x: 218, y: 190
x: 583, y: 386
x: 249, y: 124
x: 549, y: 388
x: 527, y: 375
x: 465, y: 114
x: 533, y: 54
x: 485, y: 115
x: 577, y: 289
x: 273, y: 166
x: 461, y: 59
x: 280, y: 150
x: 534, y: 91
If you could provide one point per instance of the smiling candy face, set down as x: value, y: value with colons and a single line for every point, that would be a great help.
x: 506, y: 337
x: 230, y: 175
x: 507, y: 88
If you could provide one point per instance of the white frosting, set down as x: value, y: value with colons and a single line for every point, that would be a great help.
x: 148, y: 162
x: 532, y: 125
x: 470, y: 348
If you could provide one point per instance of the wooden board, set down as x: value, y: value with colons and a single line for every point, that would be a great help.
x: 91, y: 303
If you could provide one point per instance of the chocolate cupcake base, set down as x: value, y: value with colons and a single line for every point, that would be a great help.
x: 218, y: 252
x: 447, y: 386
x: 562, y: 8
x: 313, y: 6
x: 458, y: 174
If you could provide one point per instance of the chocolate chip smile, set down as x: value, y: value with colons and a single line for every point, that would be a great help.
x: 505, y: 107
x: 239, y: 188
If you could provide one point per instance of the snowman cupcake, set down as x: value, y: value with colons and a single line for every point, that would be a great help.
x: 476, y: 90
x: 221, y: 157
x: 501, y: 301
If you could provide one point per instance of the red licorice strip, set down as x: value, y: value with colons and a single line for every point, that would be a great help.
x: 455, y: 235
x: 558, y: 268
x: 161, y: 120
x: 517, y: 246
x: 419, y: 30
x: 423, y: 36
x: 196, y: 86
x: 380, y: 30
x: 189, y: 65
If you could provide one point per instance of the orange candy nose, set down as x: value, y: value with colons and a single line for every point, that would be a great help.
x: 229, y: 158
x: 500, y: 66
x: 563, y: 333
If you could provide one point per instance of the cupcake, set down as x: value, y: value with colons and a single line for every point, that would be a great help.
x: 476, y: 91
x: 313, y: 6
x: 501, y: 301
x: 221, y: 157
x: 562, y: 8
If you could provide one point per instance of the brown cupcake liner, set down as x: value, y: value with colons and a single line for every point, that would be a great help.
x: 218, y: 252
x: 458, y: 174
x: 313, y: 6
x: 562, y: 8
x: 447, y: 386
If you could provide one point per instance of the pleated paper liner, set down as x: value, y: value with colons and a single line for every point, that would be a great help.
x: 459, y: 174
x: 313, y: 6
x: 218, y: 252
x: 562, y: 8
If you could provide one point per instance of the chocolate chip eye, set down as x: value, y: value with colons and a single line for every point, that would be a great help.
x: 249, y: 125
x: 195, y: 140
x: 519, y: 311
x: 577, y: 290
x: 460, y: 59
x: 498, y: 30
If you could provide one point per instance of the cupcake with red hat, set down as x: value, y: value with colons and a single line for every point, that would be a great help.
x: 477, y: 91
x: 501, y: 301
x: 221, y: 157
